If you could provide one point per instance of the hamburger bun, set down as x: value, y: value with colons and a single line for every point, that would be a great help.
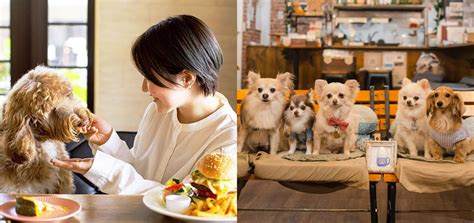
x: 217, y: 166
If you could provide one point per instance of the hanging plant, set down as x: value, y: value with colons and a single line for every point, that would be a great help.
x: 439, y: 7
x: 290, y: 19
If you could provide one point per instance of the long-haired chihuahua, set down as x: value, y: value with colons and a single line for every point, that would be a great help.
x: 299, y: 119
x: 447, y: 134
x: 336, y: 122
x: 262, y: 111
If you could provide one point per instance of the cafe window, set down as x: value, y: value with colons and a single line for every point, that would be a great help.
x: 61, y: 35
x: 5, y: 47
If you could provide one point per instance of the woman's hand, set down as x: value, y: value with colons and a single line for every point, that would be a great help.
x: 80, y: 166
x: 99, y: 131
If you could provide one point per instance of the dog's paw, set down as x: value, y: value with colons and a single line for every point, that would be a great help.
x: 83, y: 120
x: 458, y: 159
x: 316, y: 153
x: 437, y: 156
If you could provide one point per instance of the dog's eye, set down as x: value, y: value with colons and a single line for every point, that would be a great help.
x: 291, y: 107
x: 447, y: 95
x: 416, y: 98
x: 260, y: 90
x: 329, y: 96
x: 341, y: 95
x: 272, y: 90
x: 302, y: 107
x: 436, y: 94
x: 404, y: 97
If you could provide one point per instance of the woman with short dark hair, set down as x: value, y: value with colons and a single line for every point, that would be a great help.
x: 179, y: 59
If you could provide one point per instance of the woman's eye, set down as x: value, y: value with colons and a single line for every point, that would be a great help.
x: 436, y: 94
x: 447, y: 95
x: 260, y: 90
x: 341, y: 95
x: 329, y: 96
x: 404, y: 97
x: 302, y: 107
x: 272, y: 90
x: 291, y: 108
x: 416, y: 98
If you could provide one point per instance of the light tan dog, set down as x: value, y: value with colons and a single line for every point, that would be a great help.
x: 446, y: 131
x: 39, y: 115
x: 262, y: 112
x: 336, y: 122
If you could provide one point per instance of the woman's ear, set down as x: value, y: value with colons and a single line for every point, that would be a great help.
x: 187, y: 78
x: 430, y: 103
x: 458, y: 107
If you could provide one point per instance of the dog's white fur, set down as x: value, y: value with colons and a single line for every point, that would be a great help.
x: 262, y: 110
x: 412, y: 123
x: 336, y: 100
x: 39, y: 115
x: 298, y: 117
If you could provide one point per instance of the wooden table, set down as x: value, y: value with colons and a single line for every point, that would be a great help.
x: 109, y: 208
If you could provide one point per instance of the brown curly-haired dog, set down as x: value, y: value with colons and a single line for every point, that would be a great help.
x: 446, y: 130
x: 39, y: 115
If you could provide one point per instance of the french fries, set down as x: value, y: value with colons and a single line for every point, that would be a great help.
x: 223, y: 206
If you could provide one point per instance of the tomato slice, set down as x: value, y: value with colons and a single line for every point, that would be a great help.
x: 174, y: 187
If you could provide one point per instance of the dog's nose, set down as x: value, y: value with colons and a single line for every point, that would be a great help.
x: 265, y: 96
x: 296, y: 113
x: 409, y: 102
x: 334, y: 101
x: 439, y: 103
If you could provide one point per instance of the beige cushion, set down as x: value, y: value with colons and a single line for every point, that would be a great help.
x: 427, y: 177
x: 352, y: 172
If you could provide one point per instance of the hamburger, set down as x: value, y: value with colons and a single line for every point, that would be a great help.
x: 215, y: 176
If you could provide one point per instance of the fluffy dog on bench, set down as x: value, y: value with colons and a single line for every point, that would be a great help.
x: 39, y: 115
x: 299, y: 118
x: 336, y: 122
x: 447, y: 134
x: 412, y: 123
x: 261, y: 112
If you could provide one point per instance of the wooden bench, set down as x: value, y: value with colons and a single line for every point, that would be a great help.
x: 364, y: 98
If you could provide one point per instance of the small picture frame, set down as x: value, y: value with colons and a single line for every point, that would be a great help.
x: 381, y: 156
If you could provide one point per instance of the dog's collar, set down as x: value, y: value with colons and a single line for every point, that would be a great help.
x: 339, y: 124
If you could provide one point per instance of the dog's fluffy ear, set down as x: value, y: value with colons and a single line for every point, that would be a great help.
x: 430, y: 103
x: 286, y: 79
x: 310, y: 94
x: 406, y: 82
x: 319, y: 85
x: 20, y: 142
x: 252, y: 77
x: 425, y: 84
x: 457, y: 106
x: 353, y: 86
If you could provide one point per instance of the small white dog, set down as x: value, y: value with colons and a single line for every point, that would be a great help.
x: 262, y: 111
x: 412, y: 123
x: 299, y: 119
x: 336, y: 123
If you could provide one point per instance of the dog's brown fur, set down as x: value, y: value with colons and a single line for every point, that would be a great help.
x: 446, y: 118
x: 39, y: 115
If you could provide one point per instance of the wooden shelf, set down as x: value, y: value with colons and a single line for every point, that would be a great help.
x: 380, y: 7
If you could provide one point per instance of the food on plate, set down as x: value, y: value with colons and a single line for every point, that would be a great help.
x: 214, y: 184
x: 212, y: 189
x: 29, y: 206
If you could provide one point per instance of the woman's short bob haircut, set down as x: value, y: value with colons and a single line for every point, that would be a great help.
x: 179, y: 43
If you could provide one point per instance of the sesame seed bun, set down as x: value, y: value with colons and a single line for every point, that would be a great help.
x: 217, y: 166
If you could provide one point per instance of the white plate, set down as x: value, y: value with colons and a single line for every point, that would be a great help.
x: 153, y: 198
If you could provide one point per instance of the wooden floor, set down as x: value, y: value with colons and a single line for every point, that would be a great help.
x: 350, y: 205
